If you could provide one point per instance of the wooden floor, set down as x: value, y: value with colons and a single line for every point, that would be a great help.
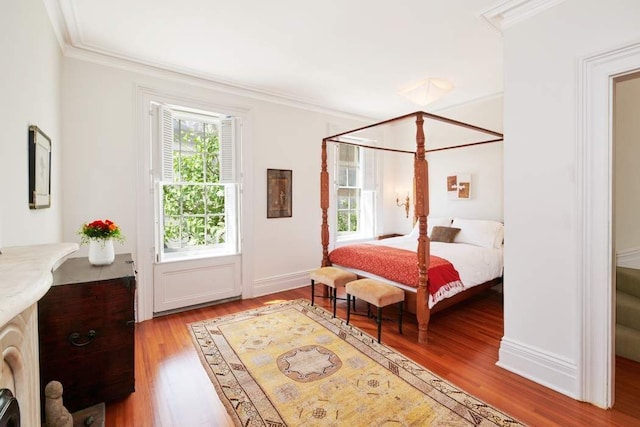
x: 172, y: 388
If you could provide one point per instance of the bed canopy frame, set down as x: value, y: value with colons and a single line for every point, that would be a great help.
x: 421, y: 204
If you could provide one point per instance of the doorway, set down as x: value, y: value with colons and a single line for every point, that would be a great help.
x: 594, y: 157
x: 626, y: 194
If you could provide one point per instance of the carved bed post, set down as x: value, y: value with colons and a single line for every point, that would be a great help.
x: 324, y: 204
x: 421, y: 173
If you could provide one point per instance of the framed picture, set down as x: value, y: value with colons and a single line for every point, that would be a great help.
x: 459, y: 186
x: 279, y: 193
x: 39, y: 169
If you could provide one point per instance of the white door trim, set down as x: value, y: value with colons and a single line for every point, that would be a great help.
x: 144, y: 253
x: 594, y: 161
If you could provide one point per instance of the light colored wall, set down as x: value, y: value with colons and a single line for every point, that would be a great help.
x: 627, y: 172
x: 100, y: 173
x: 483, y: 162
x: 541, y: 285
x: 30, y: 95
x: 398, y: 179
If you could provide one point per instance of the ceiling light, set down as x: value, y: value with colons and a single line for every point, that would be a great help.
x: 426, y: 91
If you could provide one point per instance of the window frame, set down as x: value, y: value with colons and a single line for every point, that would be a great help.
x: 231, y: 190
x: 367, y: 217
x: 349, y: 187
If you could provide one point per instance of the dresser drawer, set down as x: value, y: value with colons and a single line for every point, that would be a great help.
x: 104, y: 308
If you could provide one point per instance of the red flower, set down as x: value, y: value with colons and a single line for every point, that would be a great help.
x: 99, y: 229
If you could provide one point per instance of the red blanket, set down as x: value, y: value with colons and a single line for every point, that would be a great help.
x: 400, y: 265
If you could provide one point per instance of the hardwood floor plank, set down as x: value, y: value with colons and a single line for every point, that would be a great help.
x: 173, y: 389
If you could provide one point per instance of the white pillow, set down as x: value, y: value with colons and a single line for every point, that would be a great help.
x: 441, y: 221
x: 485, y: 233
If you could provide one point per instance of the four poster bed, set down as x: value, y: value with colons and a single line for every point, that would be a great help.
x: 397, y: 261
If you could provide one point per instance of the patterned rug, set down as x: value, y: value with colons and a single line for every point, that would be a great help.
x: 290, y: 364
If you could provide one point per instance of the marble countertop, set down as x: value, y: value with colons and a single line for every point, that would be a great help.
x: 25, y: 275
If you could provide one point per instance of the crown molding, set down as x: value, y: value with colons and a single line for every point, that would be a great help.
x: 58, y: 23
x: 484, y: 98
x: 510, y: 12
x: 63, y: 17
x: 191, y: 78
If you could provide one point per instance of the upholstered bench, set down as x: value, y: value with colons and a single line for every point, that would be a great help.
x: 334, y: 278
x: 376, y: 293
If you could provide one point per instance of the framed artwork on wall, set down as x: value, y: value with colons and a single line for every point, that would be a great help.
x: 459, y: 186
x: 279, y: 193
x: 39, y: 169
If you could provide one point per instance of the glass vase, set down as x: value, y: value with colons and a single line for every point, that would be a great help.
x: 101, y: 251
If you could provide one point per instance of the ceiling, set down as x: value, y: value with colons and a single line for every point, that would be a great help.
x: 345, y: 55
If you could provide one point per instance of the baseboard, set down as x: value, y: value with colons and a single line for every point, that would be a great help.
x: 629, y: 258
x: 543, y: 368
x: 284, y: 282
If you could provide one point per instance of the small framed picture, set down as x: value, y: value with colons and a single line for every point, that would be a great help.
x: 279, y: 193
x: 459, y: 186
x: 39, y: 169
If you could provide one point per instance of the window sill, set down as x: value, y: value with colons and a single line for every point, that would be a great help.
x: 190, y: 256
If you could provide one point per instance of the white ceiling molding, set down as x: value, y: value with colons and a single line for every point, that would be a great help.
x: 86, y: 32
x: 136, y: 66
x: 510, y: 12
x: 63, y: 18
x: 68, y: 11
x: 57, y: 22
x: 466, y: 103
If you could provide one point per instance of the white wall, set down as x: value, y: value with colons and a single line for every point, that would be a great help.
x: 483, y: 162
x: 627, y: 172
x: 30, y: 95
x: 542, y: 337
x: 101, y: 164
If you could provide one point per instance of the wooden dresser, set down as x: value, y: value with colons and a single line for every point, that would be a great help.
x: 86, y: 331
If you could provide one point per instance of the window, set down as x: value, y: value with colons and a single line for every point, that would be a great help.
x: 355, y: 192
x: 197, y: 192
x: 349, y: 190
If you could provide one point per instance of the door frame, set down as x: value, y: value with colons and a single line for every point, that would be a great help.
x: 595, y: 217
x: 145, y: 237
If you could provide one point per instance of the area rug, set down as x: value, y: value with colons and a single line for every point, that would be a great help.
x: 291, y: 364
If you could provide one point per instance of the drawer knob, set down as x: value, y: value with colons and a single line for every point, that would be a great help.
x: 73, y: 338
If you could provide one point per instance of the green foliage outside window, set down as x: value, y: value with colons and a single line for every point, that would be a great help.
x: 194, y: 204
x: 348, y: 209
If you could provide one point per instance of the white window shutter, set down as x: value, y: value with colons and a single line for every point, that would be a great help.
x: 231, y: 217
x: 368, y: 169
x: 367, y: 213
x: 166, y: 141
x: 159, y: 217
x: 336, y: 166
x: 227, y: 150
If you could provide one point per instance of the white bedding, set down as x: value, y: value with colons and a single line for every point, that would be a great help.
x: 475, y: 264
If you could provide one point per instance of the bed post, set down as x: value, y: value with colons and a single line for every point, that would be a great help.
x: 420, y: 170
x: 324, y: 204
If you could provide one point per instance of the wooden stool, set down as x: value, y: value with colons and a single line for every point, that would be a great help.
x: 332, y: 277
x: 376, y: 293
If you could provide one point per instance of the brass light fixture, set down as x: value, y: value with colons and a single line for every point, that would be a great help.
x: 406, y: 204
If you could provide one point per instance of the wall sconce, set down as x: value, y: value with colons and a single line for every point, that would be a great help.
x: 406, y: 204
